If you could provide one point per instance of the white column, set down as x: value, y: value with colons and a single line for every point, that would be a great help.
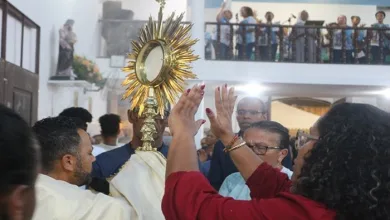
x: 197, y: 18
x: 200, y: 115
x: 197, y: 32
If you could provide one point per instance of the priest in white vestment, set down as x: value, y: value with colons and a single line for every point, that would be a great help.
x: 66, y: 164
x: 147, y: 180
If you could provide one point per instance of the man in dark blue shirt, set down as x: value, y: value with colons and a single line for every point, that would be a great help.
x: 109, y: 163
x: 249, y: 110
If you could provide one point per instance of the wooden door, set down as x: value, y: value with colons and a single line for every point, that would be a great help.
x: 19, y: 65
x: 22, y: 91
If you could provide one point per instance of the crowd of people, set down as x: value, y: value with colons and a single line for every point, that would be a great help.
x: 337, y: 42
x: 341, y: 170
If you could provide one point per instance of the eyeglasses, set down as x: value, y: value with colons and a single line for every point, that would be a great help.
x: 261, y: 150
x: 250, y: 112
x: 303, y: 138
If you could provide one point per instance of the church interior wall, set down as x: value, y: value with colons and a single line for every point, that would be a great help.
x: 50, y: 16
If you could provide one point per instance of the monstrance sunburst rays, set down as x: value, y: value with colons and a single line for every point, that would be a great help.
x: 177, y: 39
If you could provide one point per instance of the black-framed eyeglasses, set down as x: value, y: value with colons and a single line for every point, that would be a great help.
x: 250, y: 112
x: 303, y: 138
x: 261, y: 150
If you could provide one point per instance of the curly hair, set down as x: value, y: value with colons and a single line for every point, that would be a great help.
x: 348, y: 168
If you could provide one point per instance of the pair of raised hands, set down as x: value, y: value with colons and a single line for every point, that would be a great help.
x: 182, y: 118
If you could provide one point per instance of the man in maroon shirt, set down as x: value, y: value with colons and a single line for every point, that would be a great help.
x: 343, y: 174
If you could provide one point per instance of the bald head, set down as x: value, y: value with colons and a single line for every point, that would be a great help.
x: 249, y: 111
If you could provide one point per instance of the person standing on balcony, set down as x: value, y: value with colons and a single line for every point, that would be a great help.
x: 375, y: 38
x: 339, y: 43
x: 303, y: 36
x: 267, y: 52
x: 358, y: 40
x: 246, y: 34
x: 223, y: 18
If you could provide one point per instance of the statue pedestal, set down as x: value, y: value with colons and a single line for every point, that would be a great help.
x: 67, y: 93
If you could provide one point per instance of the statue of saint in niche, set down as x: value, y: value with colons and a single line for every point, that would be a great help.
x: 65, y: 58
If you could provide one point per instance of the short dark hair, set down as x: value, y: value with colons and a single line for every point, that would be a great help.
x: 248, y: 10
x: 19, y: 151
x: 275, y: 127
x: 380, y: 12
x: 348, y: 168
x: 78, y: 112
x: 57, y: 136
x: 110, y: 125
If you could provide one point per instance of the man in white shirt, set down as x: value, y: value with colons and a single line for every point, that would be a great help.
x: 270, y: 141
x: 66, y: 164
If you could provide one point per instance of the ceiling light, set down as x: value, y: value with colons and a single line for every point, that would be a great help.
x: 251, y: 89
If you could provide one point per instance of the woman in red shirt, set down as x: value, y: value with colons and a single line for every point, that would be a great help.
x: 345, y: 174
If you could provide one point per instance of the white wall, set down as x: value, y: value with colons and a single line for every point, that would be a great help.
x: 330, y: 74
x: 50, y: 15
x: 144, y: 8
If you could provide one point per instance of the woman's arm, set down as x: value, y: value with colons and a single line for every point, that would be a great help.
x: 188, y: 195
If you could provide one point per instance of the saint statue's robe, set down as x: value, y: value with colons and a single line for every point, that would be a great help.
x: 60, y: 200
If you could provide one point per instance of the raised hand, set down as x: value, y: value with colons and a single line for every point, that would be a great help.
x: 182, y: 118
x: 221, y: 121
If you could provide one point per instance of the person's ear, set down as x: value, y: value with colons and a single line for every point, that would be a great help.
x: 282, y: 154
x: 131, y: 115
x: 68, y: 162
x: 18, y: 201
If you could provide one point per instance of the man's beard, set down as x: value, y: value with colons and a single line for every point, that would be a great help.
x: 81, y: 176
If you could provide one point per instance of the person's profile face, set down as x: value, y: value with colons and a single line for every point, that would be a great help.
x: 243, y: 12
x: 84, y: 165
x: 20, y: 202
x: 355, y: 20
x: 300, y: 159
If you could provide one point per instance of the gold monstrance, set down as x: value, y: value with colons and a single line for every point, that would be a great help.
x: 158, y: 67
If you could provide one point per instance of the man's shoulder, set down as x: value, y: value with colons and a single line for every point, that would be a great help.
x: 109, y: 163
x: 120, y: 151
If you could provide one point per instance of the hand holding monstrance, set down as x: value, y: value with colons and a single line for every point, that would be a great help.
x: 159, y: 64
x: 158, y: 67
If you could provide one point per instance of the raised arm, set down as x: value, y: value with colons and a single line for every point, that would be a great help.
x: 221, y: 11
x: 188, y: 195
